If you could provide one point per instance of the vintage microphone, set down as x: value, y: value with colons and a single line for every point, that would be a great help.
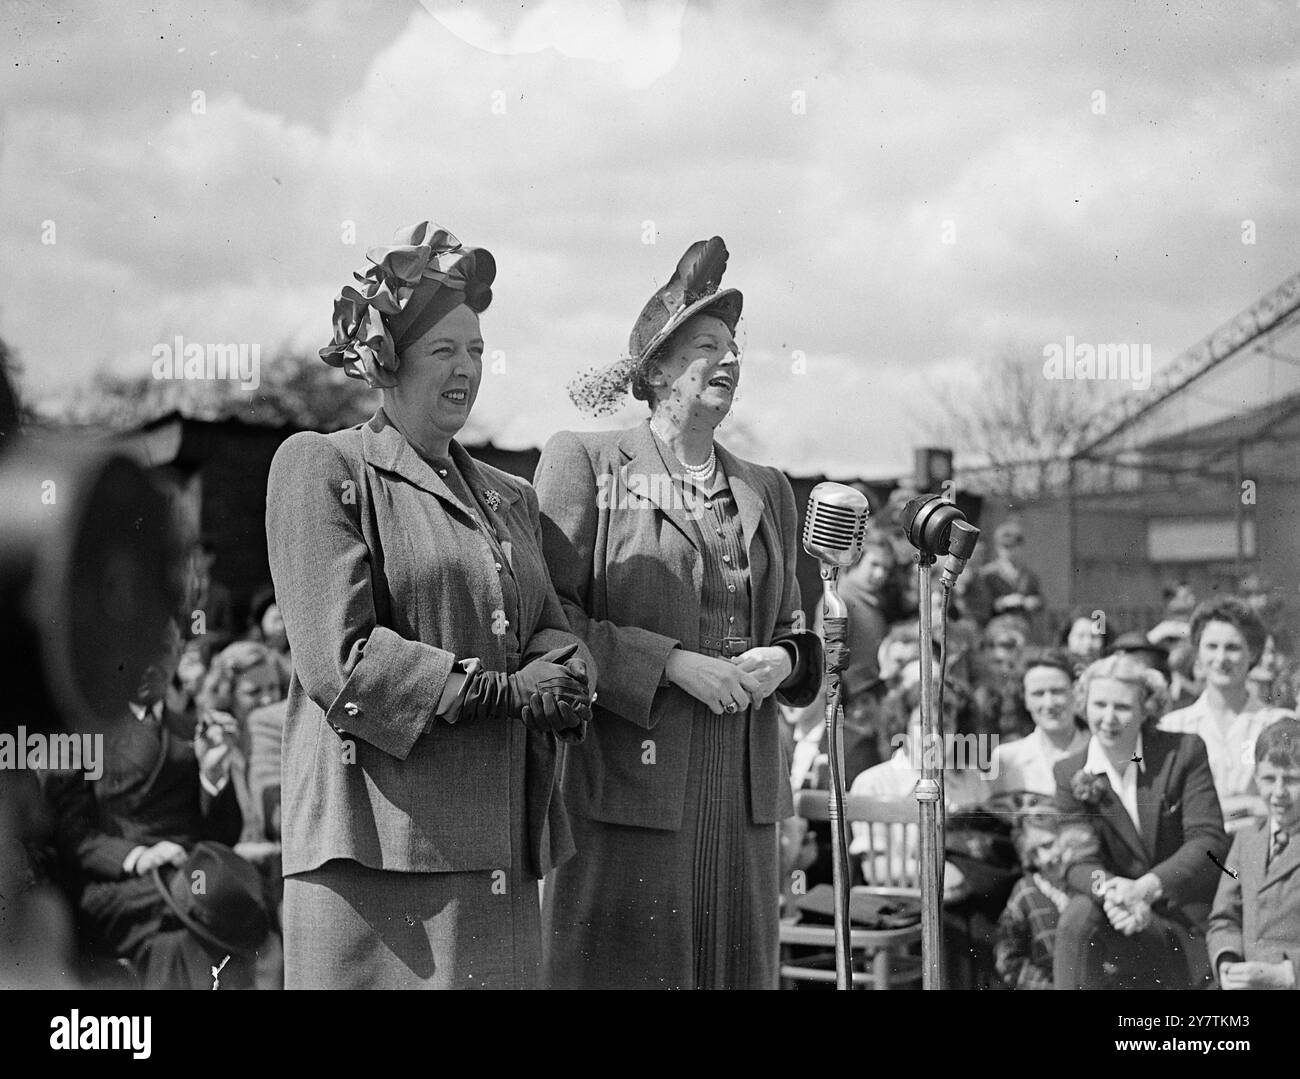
x: 934, y: 526
x: 833, y: 531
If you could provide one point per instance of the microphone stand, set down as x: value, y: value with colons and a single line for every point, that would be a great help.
x: 929, y: 794
x: 835, y: 626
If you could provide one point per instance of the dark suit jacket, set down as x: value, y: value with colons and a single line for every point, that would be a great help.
x: 1182, y: 826
x: 150, y: 791
x: 1256, y: 914
x: 626, y: 561
x: 385, y: 579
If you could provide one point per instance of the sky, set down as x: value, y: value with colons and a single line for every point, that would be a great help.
x: 907, y: 190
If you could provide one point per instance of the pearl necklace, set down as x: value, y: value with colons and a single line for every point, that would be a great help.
x: 696, y: 472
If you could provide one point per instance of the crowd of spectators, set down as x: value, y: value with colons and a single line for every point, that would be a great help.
x: 1114, y: 762
x: 1110, y: 763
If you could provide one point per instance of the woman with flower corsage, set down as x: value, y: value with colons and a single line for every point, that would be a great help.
x: 675, y: 562
x: 1137, y: 915
x: 433, y: 669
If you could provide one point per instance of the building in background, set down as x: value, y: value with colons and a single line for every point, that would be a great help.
x: 1193, y: 481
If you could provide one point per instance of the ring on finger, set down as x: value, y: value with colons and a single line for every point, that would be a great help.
x: 730, y: 707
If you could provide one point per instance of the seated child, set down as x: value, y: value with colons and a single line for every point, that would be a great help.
x: 1254, y: 927
x: 1049, y: 843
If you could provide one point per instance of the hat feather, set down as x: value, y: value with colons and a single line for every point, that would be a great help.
x: 699, y: 272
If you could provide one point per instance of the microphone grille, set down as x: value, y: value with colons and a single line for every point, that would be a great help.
x: 836, y: 524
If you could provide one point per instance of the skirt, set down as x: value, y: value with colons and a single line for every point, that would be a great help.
x: 643, y: 908
x: 347, y: 926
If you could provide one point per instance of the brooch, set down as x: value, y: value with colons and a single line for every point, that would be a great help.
x: 493, y: 500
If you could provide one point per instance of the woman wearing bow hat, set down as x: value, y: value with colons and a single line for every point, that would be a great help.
x: 433, y: 670
x: 675, y: 562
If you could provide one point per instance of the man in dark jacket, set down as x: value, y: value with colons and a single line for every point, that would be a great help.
x: 163, y: 790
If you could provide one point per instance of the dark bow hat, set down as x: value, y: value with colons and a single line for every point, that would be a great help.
x: 692, y: 290
x: 408, y: 286
x: 227, y: 911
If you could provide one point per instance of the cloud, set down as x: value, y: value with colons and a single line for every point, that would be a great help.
x: 643, y: 40
x: 831, y: 151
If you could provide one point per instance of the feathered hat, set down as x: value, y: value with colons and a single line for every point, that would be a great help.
x: 692, y: 290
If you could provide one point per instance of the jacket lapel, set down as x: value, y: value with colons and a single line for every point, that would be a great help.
x: 1283, y: 865
x: 646, y: 476
x: 1113, y: 810
x: 748, y: 493
x: 1254, y: 851
x: 506, y: 497
x: 1153, y: 781
x: 383, y: 446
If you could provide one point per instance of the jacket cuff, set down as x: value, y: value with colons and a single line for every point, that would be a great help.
x: 634, y: 696
x: 391, y: 693
x: 804, y: 682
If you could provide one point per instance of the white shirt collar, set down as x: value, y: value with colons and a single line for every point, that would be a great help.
x: 1099, y: 764
x: 140, y: 711
x: 1124, y: 786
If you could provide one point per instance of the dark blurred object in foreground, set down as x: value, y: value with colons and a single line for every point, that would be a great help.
x: 84, y: 548
x: 85, y: 553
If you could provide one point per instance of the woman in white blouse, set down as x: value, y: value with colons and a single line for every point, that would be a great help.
x: 1026, y: 764
x: 1229, y: 638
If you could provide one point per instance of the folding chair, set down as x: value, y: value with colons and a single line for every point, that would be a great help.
x: 882, y: 958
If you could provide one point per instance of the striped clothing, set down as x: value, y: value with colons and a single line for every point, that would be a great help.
x: 724, y: 886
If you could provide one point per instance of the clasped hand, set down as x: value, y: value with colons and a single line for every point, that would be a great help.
x: 730, y: 686
x: 552, y: 695
x: 1126, y: 909
x: 770, y: 666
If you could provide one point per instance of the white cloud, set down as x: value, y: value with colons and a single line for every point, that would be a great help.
x: 226, y: 226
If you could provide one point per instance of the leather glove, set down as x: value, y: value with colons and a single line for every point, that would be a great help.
x: 497, y: 695
x: 567, y: 719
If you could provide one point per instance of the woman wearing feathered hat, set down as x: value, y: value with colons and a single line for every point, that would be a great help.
x: 433, y: 669
x: 675, y: 563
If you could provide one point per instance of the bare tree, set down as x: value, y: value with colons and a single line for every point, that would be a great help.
x: 1015, y: 428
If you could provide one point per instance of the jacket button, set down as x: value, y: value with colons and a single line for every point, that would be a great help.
x: 499, y: 567
x: 351, y: 709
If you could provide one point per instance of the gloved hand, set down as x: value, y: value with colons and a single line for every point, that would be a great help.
x: 566, y: 718
x: 497, y: 695
x: 557, y: 672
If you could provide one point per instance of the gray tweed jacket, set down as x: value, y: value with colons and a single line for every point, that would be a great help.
x: 626, y: 562
x: 385, y: 579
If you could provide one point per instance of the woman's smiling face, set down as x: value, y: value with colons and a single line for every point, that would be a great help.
x: 700, y: 371
x: 1115, y: 714
x: 439, y: 374
x: 1047, y: 699
x: 1222, y: 655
